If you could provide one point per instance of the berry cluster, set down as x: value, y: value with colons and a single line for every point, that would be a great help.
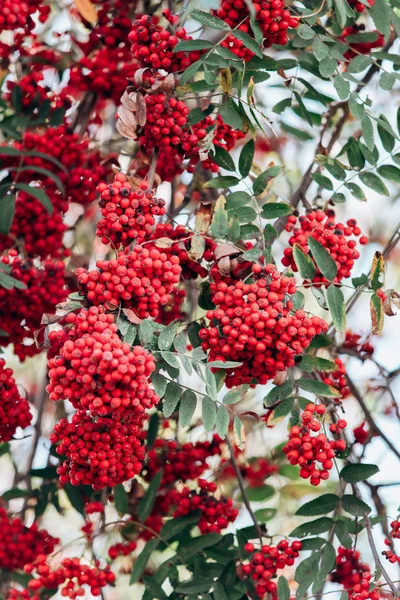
x: 128, y: 213
x: 17, y: 14
x: 272, y: 17
x: 354, y: 341
x: 45, y: 239
x: 224, y: 136
x: 390, y: 555
x: 121, y: 549
x: 71, y: 578
x: 174, y: 309
x: 112, y: 27
x: 264, y: 563
x: 254, y: 472
x: 14, y: 410
x: 22, y: 309
x: 153, y: 46
x: 354, y: 576
x: 180, y: 463
x: 216, y: 514
x: 306, y: 450
x: 334, y: 237
x: 337, y: 379
x: 19, y: 544
x: 141, y: 280
x: 96, y: 371
x: 34, y: 92
x: 253, y: 324
x: 360, y: 47
x: 94, y: 507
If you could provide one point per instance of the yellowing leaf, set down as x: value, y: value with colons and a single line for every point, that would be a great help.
x: 377, y: 313
x: 377, y: 271
x: 87, y: 11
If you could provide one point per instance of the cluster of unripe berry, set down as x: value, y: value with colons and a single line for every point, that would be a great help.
x: 141, y: 280
x: 14, y: 410
x: 253, y: 324
x: 334, y: 237
x: 127, y: 212
x: 264, y: 563
x: 71, y: 578
x: 306, y: 450
x: 153, y: 46
x: 100, y: 374
x: 19, y: 544
x: 21, y: 310
x: 180, y: 463
x: 337, y: 379
x: 354, y: 576
x: 272, y: 17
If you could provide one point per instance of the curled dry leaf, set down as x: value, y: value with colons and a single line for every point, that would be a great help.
x: 163, y: 242
x: 250, y: 413
x: 225, y: 250
x: 111, y: 306
x: 87, y: 11
x: 206, y: 144
x: 131, y: 316
x: 131, y: 113
x: 203, y: 218
x: 165, y: 84
x: 392, y: 300
x: 197, y: 247
x: 224, y: 266
x: 280, y: 378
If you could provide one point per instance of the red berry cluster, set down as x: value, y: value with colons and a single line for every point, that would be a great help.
x: 84, y: 167
x: 96, y: 371
x: 112, y: 27
x: 253, y: 324
x: 21, y: 310
x: 216, y: 514
x: 141, y: 280
x: 19, y: 544
x: 306, y: 450
x: 390, y: 555
x: 17, y: 14
x: 99, y: 452
x: 354, y: 576
x: 254, y: 471
x: 264, y: 563
x: 354, y: 341
x: 334, y: 237
x: 271, y: 15
x: 360, y: 47
x: 153, y: 46
x: 14, y: 410
x: 94, y: 507
x: 337, y: 379
x: 34, y: 92
x: 173, y: 310
x: 180, y: 462
x: 45, y: 239
x: 361, y: 435
x: 191, y: 269
x: 128, y: 213
x: 224, y: 137
x: 71, y: 578
x: 121, y: 549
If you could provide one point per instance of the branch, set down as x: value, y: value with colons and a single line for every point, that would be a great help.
x: 246, y: 501
x: 152, y: 169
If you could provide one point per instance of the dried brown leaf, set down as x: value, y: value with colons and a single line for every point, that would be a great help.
x: 163, y: 242
x: 224, y: 266
x: 131, y: 316
x: 197, y: 247
x: 225, y: 250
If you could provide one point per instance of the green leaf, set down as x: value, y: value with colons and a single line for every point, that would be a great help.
x: 153, y: 588
x: 273, y: 210
x: 298, y: 300
x: 305, y: 32
x: 303, y: 112
x: 187, y: 407
x: 304, y: 263
x: 328, y: 561
x: 237, y: 200
x: 355, y: 506
x: 7, y: 210
x: 305, y: 574
x: 171, y: 398
x: 239, y: 435
x: 367, y: 131
x: 377, y: 314
x: 261, y: 181
x: 39, y: 194
x: 167, y: 335
x: 335, y: 300
x: 209, y: 413
x: 195, y: 545
x: 342, y: 533
x: 221, y: 364
x: 283, y: 589
x: 222, y: 422
x: 248, y: 42
x: 231, y: 115
x: 300, y: 134
x: 223, y: 158
x: 389, y: 172
x: 246, y: 158
x: 284, y: 408
x: 358, y: 472
x: 8, y: 283
x: 387, y: 81
x: 147, y: 502
x: 270, y: 233
x: 235, y: 394
x: 279, y: 392
x: 323, y: 259
x: 386, y: 133
x: 14, y: 493
x: 327, y: 67
x: 265, y: 514
x: 318, y: 387
x: 171, y: 359
x: 192, y: 45
x: 359, y: 63
x: 320, y: 506
x: 121, y: 499
x: 142, y: 560
x: 342, y: 87
x: 209, y: 20
x: 322, y: 181
x: 320, y: 50
x: 190, y: 71
x: 253, y: 254
x: 258, y: 494
x: 222, y: 182
x: 359, y: 281
x: 75, y: 496
x: 342, y: 11
x: 380, y: 13
x: 313, y: 527
x: 356, y: 191
x: 174, y: 527
x: 314, y: 363
x: 281, y: 106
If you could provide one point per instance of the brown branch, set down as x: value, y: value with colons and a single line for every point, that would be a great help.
x: 152, y: 169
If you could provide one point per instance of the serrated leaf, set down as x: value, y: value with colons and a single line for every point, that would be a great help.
x: 342, y: 87
x: 356, y: 191
x: 248, y: 42
x: 318, y: 387
x: 305, y: 574
x: 260, y: 493
x: 358, y: 472
x: 209, y: 20
x: 328, y: 561
x: 380, y: 13
x: 320, y: 50
x: 387, y: 81
x: 167, y: 335
x: 187, y: 407
x: 323, y: 259
x: 171, y: 359
x: 367, y: 131
x: 175, y: 526
x: 355, y: 506
x: 389, y: 172
x: 223, y: 159
x: 359, y: 63
x: 283, y: 589
x: 319, y: 506
x: 142, y: 560
x: 386, y: 133
x: 314, y: 363
x: 252, y: 255
x: 147, y: 502
x: 8, y: 282
x: 190, y: 71
x: 261, y: 181
x: 335, y: 300
x: 222, y: 182
x: 305, y: 32
x: 313, y: 527
x: 284, y: 408
x: 342, y: 533
x: 327, y: 67
x: 281, y: 106
x: 304, y: 263
x: 273, y: 210
x: 209, y: 413
x: 279, y: 392
x: 121, y: 499
x: 246, y: 158
x: 192, y: 45
x: 171, y: 398
x: 374, y: 183
x: 222, y: 422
